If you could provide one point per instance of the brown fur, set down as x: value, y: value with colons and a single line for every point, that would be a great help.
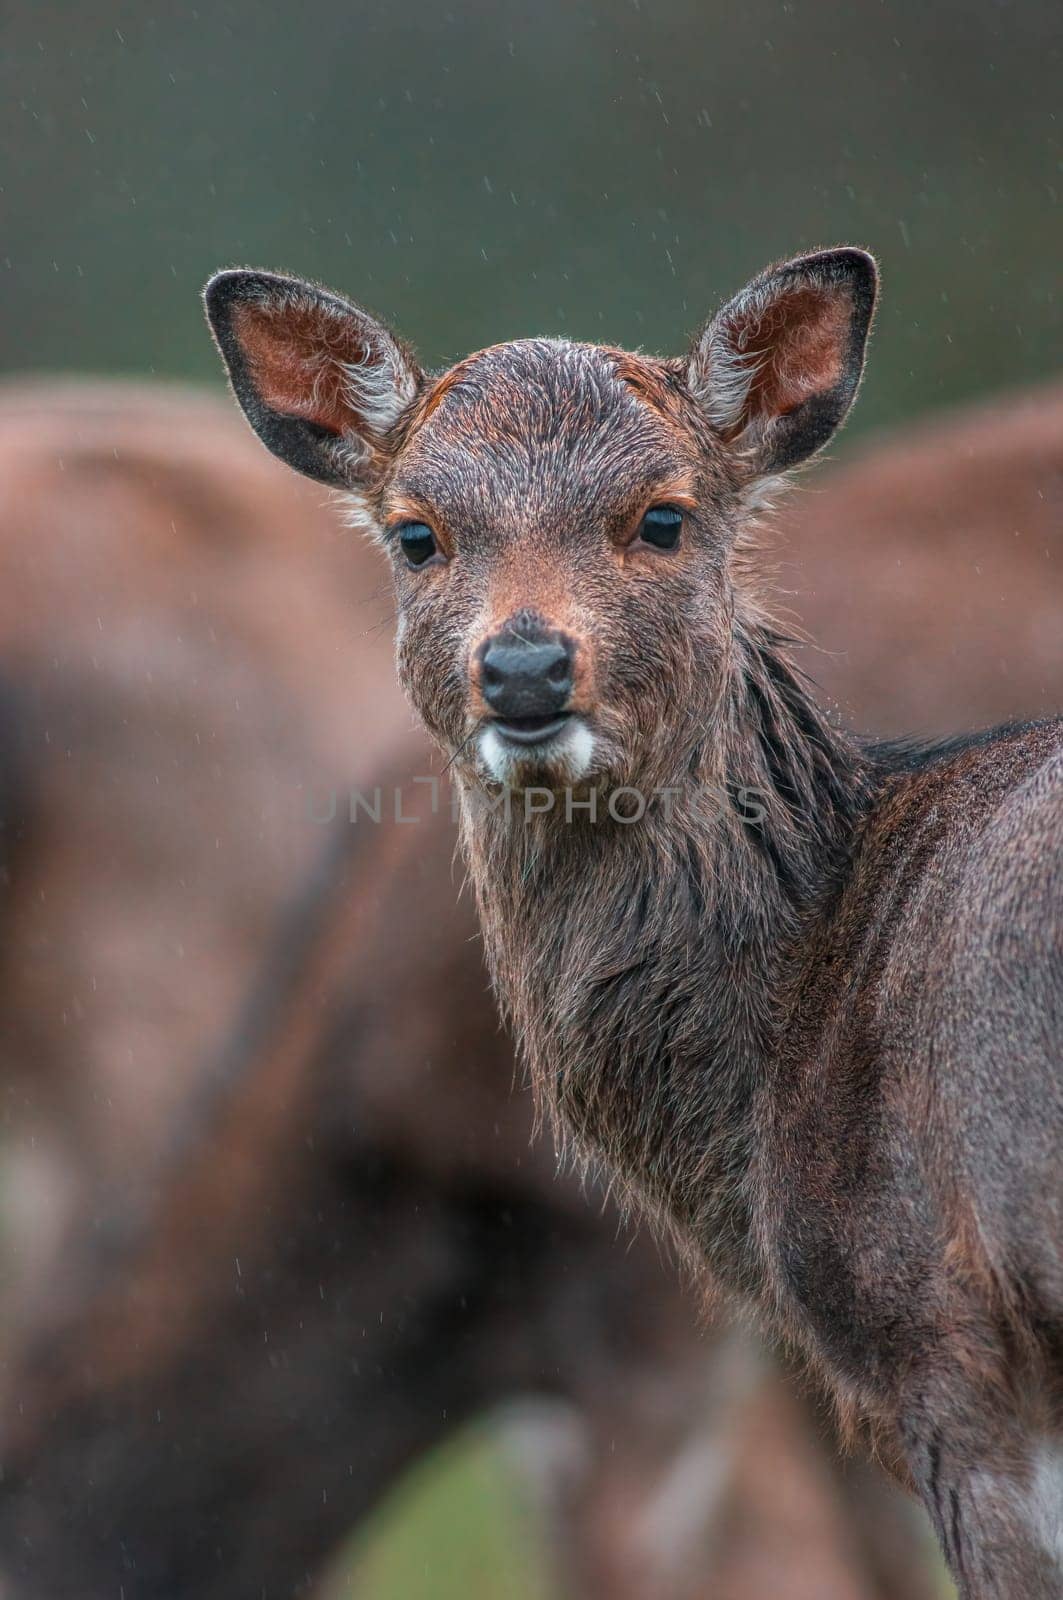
x: 807, y: 1046
x: 928, y: 570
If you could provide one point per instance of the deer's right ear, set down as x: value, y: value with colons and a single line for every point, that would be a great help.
x: 320, y: 381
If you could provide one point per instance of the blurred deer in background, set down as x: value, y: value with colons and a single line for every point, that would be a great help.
x: 274, y: 1221
x: 818, y: 1037
x: 930, y: 568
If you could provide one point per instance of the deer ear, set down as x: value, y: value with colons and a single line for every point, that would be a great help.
x: 319, y: 380
x: 779, y: 366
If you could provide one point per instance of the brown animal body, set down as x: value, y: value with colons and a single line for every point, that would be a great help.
x: 928, y: 570
x: 273, y: 1227
x: 801, y: 994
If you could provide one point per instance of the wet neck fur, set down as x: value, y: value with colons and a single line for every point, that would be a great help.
x: 644, y: 966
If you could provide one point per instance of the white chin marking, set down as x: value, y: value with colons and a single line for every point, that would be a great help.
x: 567, y: 756
x: 580, y: 750
x: 493, y: 755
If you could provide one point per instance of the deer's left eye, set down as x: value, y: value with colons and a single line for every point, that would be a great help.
x: 418, y: 543
x: 661, y: 527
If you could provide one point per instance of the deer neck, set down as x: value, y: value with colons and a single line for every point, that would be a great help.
x: 643, y: 965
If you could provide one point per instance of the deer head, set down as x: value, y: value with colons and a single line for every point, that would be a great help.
x: 562, y: 519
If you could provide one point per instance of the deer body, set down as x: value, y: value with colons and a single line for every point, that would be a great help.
x: 850, y: 1106
x: 819, y: 1040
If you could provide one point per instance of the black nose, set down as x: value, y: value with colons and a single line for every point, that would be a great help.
x: 526, y: 673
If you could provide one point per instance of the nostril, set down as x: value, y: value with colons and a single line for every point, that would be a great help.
x: 492, y: 676
x: 560, y: 673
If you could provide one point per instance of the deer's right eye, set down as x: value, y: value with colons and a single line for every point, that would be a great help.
x: 661, y: 527
x: 418, y: 543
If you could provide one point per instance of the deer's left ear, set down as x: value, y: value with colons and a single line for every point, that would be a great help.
x: 319, y: 379
x: 778, y: 368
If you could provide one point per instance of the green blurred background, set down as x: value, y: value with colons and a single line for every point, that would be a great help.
x: 604, y: 168
x: 473, y: 171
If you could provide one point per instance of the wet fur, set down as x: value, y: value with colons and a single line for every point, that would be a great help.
x: 822, y: 1050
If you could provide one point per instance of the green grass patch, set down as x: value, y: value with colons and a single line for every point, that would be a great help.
x: 457, y: 1527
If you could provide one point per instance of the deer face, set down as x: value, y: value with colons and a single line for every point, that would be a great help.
x: 557, y: 518
x: 560, y: 517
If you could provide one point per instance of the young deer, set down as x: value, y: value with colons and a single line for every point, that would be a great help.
x: 801, y: 994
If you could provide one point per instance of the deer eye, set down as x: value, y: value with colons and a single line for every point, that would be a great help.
x: 660, y: 527
x: 418, y: 543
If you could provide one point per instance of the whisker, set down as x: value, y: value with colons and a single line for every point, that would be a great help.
x: 379, y: 626
x: 377, y: 594
x: 464, y: 742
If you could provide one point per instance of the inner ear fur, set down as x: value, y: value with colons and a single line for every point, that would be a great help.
x: 777, y: 369
x: 319, y: 379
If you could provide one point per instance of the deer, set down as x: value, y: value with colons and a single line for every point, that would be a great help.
x: 799, y: 993
x: 924, y: 566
